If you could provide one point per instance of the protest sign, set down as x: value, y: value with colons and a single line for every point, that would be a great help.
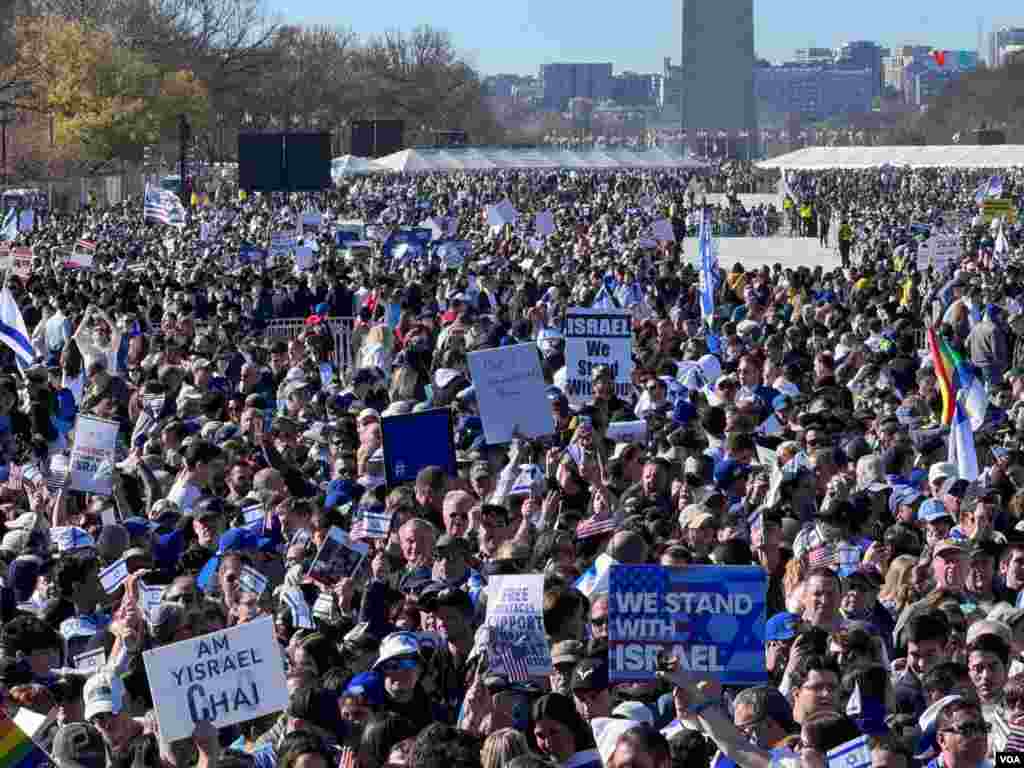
x: 312, y: 221
x: 453, y: 253
x: 92, y: 455
x: 663, y: 232
x: 515, y: 619
x: 413, y: 441
x: 21, y: 263
x: 226, y: 677
x: 82, y: 256
x: 282, y: 244
x: 304, y: 259
x: 346, y: 231
x: 511, y: 392
x: 544, y: 223
x: 938, y: 252
x: 711, y: 618
x: 371, y: 521
x: 337, y: 558
x: 5, y: 257
x: 999, y: 208
x: 597, y: 337
x: 627, y: 432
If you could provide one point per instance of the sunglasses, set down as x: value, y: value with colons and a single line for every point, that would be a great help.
x: 600, y: 621
x: 399, y: 664
x: 970, y: 730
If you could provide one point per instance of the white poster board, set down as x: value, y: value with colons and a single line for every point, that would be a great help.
x: 515, y: 619
x: 511, y: 392
x: 227, y: 677
x: 597, y: 337
x: 92, y: 456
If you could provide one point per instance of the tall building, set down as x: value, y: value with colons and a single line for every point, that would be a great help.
x: 564, y: 81
x: 670, y: 98
x: 814, y: 92
x: 864, y: 54
x: 632, y: 89
x: 815, y: 55
x: 718, y: 65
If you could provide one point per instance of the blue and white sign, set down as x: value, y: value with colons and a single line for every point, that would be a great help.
x: 453, y: 253
x: 413, y: 441
x: 709, y: 617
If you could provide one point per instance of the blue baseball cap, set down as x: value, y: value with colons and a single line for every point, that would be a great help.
x: 369, y: 686
x: 932, y: 510
x: 729, y: 471
x: 781, y: 626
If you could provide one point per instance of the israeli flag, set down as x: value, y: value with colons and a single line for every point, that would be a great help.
x: 855, y: 707
x: 708, y: 270
x: 604, y: 299
x: 13, y: 332
x: 595, y: 578
x: 853, y: 754
x: 961, y: 448
x: 9, y: 229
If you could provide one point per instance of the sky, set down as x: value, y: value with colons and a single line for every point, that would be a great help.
x: 517, y: 36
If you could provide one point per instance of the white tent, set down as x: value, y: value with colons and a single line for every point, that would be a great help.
x: 454, y: 159
x: 952, y: 156
x: 348, y: 164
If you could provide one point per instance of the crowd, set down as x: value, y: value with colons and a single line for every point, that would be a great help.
x: 803, y: 430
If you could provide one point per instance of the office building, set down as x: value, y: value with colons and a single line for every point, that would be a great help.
x: 864, y: 54
x: 630, y: 89
x: 1007, y: 42
x: 718, y: 66
x: 814, y: 92
x: 564, y: 81
x: 670, y: 97
x: 815, y: 56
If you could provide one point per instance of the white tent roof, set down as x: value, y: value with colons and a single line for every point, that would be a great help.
x: 497, y: 158
x: 952, y: 156
x: 352, y: 164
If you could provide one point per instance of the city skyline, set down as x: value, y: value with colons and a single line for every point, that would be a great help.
x: 532, y: 33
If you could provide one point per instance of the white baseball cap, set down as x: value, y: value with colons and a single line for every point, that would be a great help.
x: 103, y: 693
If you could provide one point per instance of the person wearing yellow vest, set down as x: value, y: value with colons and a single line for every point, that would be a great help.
x: 845, y: 242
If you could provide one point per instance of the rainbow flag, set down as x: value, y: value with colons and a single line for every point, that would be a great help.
x: 17, y: 750
x: 945, y: 372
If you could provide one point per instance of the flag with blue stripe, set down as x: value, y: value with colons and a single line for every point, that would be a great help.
x: 961, y: 448
x: 855, y: 753
x: 9, y: 229
x: 13, y: 332
x: 708, y: 270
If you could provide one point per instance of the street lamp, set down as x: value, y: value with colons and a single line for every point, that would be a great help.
x: 6, y: 117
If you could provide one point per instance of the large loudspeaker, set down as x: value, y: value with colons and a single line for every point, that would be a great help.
x: 377, y: 138
x: 307, y: 161
x: 362, y: 138
x: 260, y: 162
x: 284, y: 162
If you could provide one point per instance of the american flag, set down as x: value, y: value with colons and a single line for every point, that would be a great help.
x: 1015, y: 740
x: 822, y: 557
x: 513, y: 658
x: 82, y: 256
x: 595, y: 526
x: 164, y: 206
x: 58, y: 474
x: 756, y: 523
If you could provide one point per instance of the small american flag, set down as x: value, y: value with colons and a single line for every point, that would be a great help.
x: 756, y: 523
x: 58, y: 474
x: 822, y: 557
x: 1015, y: 740
x: 595, y: 526
x: 513, y: 658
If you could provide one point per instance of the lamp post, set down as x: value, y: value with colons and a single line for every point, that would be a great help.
x: 6, y: 117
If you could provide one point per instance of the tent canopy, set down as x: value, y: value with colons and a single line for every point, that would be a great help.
x: 952, y: 156
x: 544, y: 158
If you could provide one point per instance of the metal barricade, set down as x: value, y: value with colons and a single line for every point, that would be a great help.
x: 341, y: 331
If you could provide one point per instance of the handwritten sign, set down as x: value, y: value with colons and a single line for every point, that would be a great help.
x: 511, y: 392
x: 711, y: 618
x: 92, y: 457
x: 515, y: 618
x: 226, y: 677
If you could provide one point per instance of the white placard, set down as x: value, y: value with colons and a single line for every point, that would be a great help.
x: 597, y: 337
x: 511, y: 392
x: 92, y: 456
x: 627, y: 432
x: 515, y: 621
x: 663, y: 231
x: 149, y: 600
x: 90, y: 661
x: 225, y: 677
x: 544, y: 223
x: 114, y: 575
x: 304, y: 258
